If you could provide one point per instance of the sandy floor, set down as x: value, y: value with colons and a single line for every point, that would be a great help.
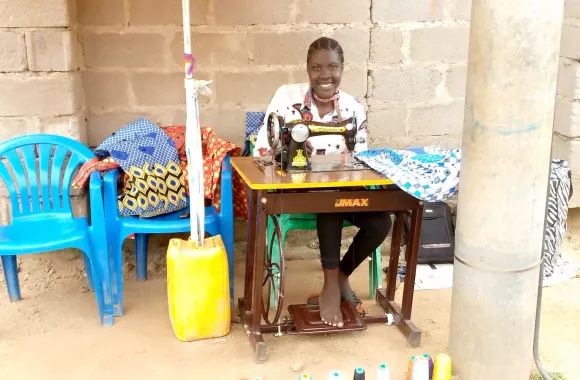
x: 53, y: 333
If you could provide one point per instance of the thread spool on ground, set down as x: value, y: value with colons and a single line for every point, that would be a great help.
x: 304, y: 376
x: 383, y: 372
x: 420, y: 368
x: 359, y: 374
x: 410, y: 368
x: 442, y: 367
x: 335, y: 375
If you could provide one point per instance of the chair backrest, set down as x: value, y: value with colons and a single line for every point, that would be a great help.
x: 38, y: 170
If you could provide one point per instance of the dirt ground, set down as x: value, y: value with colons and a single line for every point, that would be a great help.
x: 54, y: 333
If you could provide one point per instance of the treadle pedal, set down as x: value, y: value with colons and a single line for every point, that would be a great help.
x: 307, y: 319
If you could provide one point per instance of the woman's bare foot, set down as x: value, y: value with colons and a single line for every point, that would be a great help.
x: 329, y: 299
x: 345, y: 289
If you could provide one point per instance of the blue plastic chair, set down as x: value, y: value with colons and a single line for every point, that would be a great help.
x: 44, y: 220
x: 119, y: 227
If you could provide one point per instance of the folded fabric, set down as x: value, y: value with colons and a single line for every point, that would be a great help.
x: 214, y: 152
x: 430, y: 174
x: 148, y: 156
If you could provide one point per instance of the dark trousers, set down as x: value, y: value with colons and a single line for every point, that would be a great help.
x: 373, y: 229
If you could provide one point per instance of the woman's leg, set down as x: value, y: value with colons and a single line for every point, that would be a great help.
x: 373, y: 230
x: 329, y: 230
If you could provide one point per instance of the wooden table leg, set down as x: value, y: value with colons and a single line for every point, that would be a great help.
x: 256, y: 338
x: 385, y: 297
x: 245, y: 315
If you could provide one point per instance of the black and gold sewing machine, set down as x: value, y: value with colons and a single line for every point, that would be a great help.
x: 292, y: 155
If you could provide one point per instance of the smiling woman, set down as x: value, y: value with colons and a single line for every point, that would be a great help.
x: 321, y: 100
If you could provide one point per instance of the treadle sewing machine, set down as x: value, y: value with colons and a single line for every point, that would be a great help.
x: 292, y: 155
x: 294, y: 183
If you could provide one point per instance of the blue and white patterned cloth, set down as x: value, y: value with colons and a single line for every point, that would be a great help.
x: 156, y: 183
x: 430, y: 173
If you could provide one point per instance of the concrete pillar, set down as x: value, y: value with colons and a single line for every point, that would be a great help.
x: 507, y: 135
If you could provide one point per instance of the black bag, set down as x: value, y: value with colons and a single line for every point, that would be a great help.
x: 437, y: 239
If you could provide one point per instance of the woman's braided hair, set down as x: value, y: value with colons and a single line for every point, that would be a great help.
x: 325, y: 43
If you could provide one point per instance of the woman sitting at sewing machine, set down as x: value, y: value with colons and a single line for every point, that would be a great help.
x: 321, y: 100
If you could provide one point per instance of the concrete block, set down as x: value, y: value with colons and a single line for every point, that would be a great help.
x: 572, y: 8
x: 250, y: 90
x: 437, y: 120
x: 570, y: 43
x: 402, y: 10
x: 387, y: 123
x: 461, y: 9
x: 440, y: 44
x: 456, y: 81
x: 106, y: 89
x: 70, y: 126
x: 52, y: 94
x: 386, y: 46
x: 333, y: 11
x: 12, y: 52
x: 567, y: 118
x: 100, y: 126
x: 101, y: 12
x: 52, y: 50
x: 408, y: 84
x: 124, y: 50
x: 34, y: 13
x: 228, y: 124
x: 285, y: 48
x: 569, y: 78
x: 73, y: 126
x: 354, y: 82
x: 266, y: 12
x: 354, y: 42
x: 163, y: 89
x: 152, y: 12
x: 212, y: 50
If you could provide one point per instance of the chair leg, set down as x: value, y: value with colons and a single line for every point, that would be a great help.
x: 100, y: 274
x: 11, y: 274
x: 141, y: 243
x: 114, y: 248
x: 89, y: 272
x: 375, y: 276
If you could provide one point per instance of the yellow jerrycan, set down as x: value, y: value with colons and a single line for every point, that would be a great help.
x: 198, y: 289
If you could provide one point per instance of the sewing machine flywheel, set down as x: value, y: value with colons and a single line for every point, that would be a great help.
x: 273, y: 129
x: 273, y: 283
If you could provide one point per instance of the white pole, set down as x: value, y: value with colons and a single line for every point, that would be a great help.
x: 193, y: 136
x: 507, y: 137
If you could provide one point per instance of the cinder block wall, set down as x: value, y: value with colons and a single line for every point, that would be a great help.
x: 567, y: 113
x: 406, y: 60
x: 40, y: 81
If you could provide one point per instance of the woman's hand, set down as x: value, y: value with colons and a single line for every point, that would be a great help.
x: 309, y: 148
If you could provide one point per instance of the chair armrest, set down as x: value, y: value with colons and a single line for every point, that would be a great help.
x: 97, y: 210
x: 110, y: 191
x: 226, y: 185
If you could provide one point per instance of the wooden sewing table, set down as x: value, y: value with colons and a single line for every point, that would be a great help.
x: 328, y: 188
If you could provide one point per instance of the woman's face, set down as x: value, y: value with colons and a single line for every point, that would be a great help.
x: 324, y: 72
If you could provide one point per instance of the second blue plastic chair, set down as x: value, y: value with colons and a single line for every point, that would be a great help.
x: 119, y: 227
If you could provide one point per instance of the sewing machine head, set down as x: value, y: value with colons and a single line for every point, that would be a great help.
x: 292, y: 153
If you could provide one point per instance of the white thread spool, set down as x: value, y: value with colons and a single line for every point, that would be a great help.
x: 383, y: 372
x: 335, y: 375
x: 420, y: 368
